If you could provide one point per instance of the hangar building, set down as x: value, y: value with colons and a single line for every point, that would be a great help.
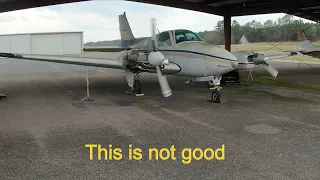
x: 56, y: 43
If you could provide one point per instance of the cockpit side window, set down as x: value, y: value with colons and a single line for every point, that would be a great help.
x: 164, y: 39
x: 185, y: 35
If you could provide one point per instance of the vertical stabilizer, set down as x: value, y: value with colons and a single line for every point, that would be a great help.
x: 305, y: 43
x: 127, y: 38
x: 302, y: 36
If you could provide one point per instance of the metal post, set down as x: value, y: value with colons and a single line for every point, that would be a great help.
x: 234, y: 75
x: 88, y: 92
x: 227, y: 32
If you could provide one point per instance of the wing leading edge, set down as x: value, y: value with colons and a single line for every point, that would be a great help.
x: 278, y: 56
x: 116, y: 63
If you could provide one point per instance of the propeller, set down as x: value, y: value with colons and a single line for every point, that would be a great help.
x: 156, y: 58
x: 259, y: 58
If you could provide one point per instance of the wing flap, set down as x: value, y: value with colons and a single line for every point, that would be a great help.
x: 85, y: 61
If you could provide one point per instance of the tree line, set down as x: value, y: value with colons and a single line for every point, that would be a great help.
x: 283, y: 29
x: 104, y: 43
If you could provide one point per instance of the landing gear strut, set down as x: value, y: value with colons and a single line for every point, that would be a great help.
x: 137, y: 87
x: 214, y: 86
x: 134, y: 83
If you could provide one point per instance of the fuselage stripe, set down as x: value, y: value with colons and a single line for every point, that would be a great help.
x: 193, y: 52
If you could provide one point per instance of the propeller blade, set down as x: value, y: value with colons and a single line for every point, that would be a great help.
x: 153, y: 33
x: 165, y: 88
x: 156, y: 58
x: 271, y: 70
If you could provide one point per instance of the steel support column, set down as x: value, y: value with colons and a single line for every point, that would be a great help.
x: 233, y: 76
x: 227, y: 32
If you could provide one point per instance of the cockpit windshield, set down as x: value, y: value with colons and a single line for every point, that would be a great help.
x: 186, y: 35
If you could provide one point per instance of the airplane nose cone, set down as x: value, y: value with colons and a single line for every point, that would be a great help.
x: 234, y: 64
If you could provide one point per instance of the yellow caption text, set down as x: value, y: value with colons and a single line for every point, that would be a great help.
x: 187, y: 155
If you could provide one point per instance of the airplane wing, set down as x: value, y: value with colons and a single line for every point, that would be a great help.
x: 314, y: 54
x: 278, y: 56
x: 306, y: 46
x: 249, y: 60
x: 115, y: 63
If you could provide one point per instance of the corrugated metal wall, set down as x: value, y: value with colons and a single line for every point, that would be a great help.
x: 44, y: 43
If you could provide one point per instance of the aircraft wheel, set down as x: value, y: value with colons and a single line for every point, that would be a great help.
x: 137, y: 87
x: 216, y: 96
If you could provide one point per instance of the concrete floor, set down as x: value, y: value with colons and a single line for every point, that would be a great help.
x: 268, y: 133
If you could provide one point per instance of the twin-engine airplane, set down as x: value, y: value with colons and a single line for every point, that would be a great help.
x: 175, y: 52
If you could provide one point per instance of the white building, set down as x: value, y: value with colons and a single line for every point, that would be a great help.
x: 56, y: 43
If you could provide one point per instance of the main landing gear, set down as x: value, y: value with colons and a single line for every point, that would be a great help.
x: 2, y: 96
x: 215, y: 88
x: 134, y: 83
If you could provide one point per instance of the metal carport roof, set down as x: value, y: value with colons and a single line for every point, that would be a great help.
x: 309, y: 9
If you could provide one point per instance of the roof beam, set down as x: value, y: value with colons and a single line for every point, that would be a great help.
x: 283, y: 4
x: 228, y: 3
x: 305, y: 14
x: 254, y: 11
x: 206, y: 2
x: 186, y: 5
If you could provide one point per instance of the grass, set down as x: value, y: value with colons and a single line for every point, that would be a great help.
x: 270, y: 81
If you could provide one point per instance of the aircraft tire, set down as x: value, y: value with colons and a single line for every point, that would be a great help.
x: 216, y: 96
x: 137, y: 87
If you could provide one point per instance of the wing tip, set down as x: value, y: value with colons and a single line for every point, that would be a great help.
x: 7, y: 55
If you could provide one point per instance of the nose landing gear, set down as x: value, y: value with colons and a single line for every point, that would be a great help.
x: 216, y: 95
x: 215, y: 88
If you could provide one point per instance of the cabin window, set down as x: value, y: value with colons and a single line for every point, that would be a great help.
x: 164, y: 39
x: 185, y: 35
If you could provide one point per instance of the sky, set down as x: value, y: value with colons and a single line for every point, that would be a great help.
x: 99, y: 19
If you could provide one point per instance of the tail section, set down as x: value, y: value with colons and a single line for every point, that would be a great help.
x: 302, y: 36
x: 305, y: 43
x: 127, y: 38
